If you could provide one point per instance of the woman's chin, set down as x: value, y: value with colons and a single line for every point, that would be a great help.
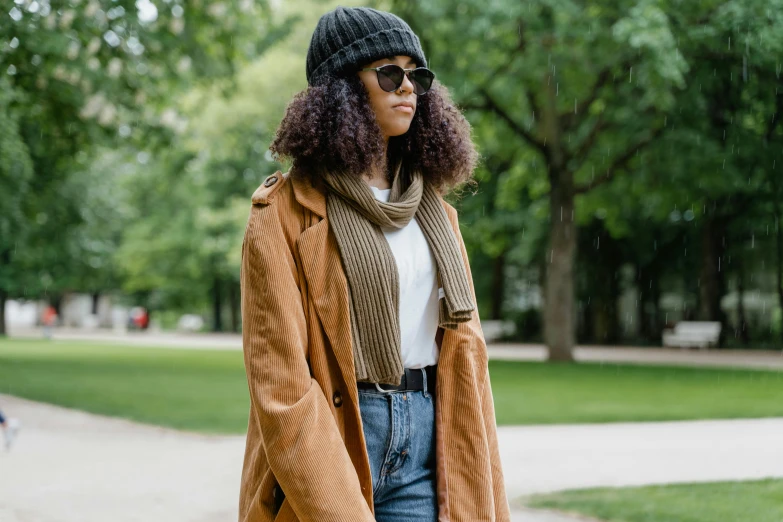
x: 397, y: 130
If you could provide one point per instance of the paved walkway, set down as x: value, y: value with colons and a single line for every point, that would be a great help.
x: 541, y: 515
x: 208, y: 341
x: 759, y: 359
x: 541, y: 459
x: 70, y: 466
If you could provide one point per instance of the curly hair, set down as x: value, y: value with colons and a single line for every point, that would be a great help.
x: 331, y: 125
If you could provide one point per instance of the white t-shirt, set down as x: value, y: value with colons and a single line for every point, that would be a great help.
x: 417, y: 270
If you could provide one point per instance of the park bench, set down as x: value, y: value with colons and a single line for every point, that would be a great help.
x: 687, y: 334
x: 497, y: 329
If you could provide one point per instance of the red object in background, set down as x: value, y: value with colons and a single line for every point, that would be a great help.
x: 49, y: 316
x: 143, y: 319
x: 139, y: 317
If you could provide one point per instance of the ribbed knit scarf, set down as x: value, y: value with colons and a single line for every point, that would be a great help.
x: 356, y: 218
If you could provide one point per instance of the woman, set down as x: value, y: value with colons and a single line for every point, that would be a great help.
x: 367, y: 367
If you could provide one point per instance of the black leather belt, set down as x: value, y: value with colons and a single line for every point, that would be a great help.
x: 412, y: 380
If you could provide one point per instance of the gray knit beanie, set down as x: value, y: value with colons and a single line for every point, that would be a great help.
x: 348, y: 37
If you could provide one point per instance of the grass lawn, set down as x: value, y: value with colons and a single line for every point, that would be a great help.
x: 752, y: 501
x: 537, y: 393
x: 195, y: 390
x: 206, y: 391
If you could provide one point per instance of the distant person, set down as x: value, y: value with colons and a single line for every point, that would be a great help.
x: 10, y: 429
x: 143, y: 319
x: 138, y: 318
x: 361, y: 334
x: 49, y: 319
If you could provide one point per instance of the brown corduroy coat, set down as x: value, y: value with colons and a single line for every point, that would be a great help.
x: 305, y: 433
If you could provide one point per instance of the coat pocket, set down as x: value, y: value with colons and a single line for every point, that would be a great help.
x: 279, y: 497
x: 286, y: 513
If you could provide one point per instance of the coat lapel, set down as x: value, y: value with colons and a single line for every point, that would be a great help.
x: 326, y: 281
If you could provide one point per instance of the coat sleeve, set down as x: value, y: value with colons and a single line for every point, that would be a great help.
x: 302, y: 442
x: 502, y: 510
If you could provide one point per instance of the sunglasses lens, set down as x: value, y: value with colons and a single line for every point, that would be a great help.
x: 422, y: 80
x: 390, y: 77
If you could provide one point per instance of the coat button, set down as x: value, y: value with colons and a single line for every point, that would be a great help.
x: 271, y: 180
x: 337, y: 399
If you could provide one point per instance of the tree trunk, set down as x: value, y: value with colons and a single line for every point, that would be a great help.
x: 587, y: 319
x: 606, y: 327
x: 3, y: 299
x: 601, y: 323
x: 779, y: 270
x: 742, y: 325
x: 5, y: 261
x: 559, y: 303
x: 710, y: 280
x: 216, y: 305
x: 642, y: 294
x: 498, y: 286
x: 234, y: 305
x: 56, y: 300
x: 649, y: 309
x: 96, y: 296
x: 656, y: 302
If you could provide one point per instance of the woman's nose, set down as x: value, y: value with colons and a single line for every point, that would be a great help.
x: 407, y: 84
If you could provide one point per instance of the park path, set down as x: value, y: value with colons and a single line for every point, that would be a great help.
x: 70, y: 466
x: 759, y: 359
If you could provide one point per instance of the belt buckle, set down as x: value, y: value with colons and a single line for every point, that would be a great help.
x: 403, y: 383
x: 378, y: 387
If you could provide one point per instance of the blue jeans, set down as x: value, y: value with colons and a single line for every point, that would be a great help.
x: 399, y: 429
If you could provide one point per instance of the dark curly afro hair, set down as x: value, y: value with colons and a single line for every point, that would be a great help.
x: 331, y: 125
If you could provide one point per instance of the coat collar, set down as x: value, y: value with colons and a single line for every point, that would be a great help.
x: 309, y: 196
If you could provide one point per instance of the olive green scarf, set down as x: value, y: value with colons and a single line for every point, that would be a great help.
x: 356, y: 218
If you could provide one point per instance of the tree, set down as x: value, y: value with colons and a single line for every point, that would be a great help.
x: 585, y: 88
x: 96, y: 74
x: 15, y: 174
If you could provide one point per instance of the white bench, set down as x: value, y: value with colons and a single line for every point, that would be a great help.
x: 497, y: 329
x: 687, y: 334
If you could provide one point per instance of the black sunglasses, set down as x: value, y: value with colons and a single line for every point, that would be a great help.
x: 390, y: 77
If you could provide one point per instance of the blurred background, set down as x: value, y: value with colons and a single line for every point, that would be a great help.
x: 625, y: 239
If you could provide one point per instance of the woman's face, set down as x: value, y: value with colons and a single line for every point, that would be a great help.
x: 391, y: 112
